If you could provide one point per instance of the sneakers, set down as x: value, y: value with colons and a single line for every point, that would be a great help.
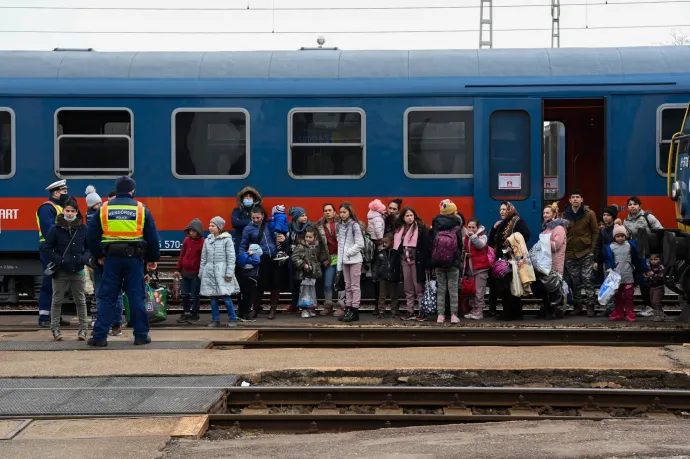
x: 454, y: 319
x: 659, y: 316
x: 409, y: 316
x: 184, y: 318
x: 305, y: 314
x: 281, y: 256
x: 116, y: 330
x: 141, y: 342
x: 245, y: 318
x: 232, y: 324
x: 193, y: 318
x: 57, y: 336
x: 312, y: 313
x: 441, y: 318
x: 646, y: 311
x: 474, y: 316
x: 214, y: 324
x: 94, y: 343
x: 421, y: 317
x: 81, y: 335
x: 630, y: 315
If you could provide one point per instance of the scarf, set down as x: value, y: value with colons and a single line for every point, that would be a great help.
x: 407, y: 236
x: 299, y: 229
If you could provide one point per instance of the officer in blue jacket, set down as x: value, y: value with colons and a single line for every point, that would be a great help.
x: 122, y: 238
x: 45, y: 219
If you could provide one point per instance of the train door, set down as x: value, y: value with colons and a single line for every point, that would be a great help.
x: 574, y: 153
x: 507, y: 159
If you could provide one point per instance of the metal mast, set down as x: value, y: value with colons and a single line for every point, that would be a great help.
x: 555, y: 23
x: 486, y: 25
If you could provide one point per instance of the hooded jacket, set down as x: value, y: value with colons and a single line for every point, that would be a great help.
x: 350, y: 243
x: 557, y: 230
x: 190, y: 256
x: 582, y: 234
x: 376, y: 225
x: 241, y: 215
x: 217, y: 263
x: 476, y: 246
x: 312, y: 255
x: 65, y: 245
x: 445, y: 223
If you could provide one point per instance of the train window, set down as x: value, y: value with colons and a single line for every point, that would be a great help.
x: 7, y: 143
x: 93, y: 142
x: 210, y: 143
x: 327, y: 143
x: 510, y: 146
x: 554, y: 160
x: 439, y: 142
x: 669, y: 121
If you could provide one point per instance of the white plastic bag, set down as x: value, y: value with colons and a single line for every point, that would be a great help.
x: 609, y: 287
x: 307, y: 293
x: 540, y: 254
x: 516, y: 287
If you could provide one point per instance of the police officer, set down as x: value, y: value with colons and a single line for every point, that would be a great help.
x: 45, y: 219
x: 122, y: 239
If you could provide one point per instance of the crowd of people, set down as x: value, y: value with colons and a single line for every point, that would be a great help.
x: 444, y: 269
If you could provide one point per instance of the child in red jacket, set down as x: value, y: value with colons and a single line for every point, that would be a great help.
x: 188, y: 269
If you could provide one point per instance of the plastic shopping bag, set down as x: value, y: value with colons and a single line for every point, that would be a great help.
x: 428, y: 305
x: 156, y: 304
x: 609, y: 287
x: 540, y: 254
x: 307, y: 293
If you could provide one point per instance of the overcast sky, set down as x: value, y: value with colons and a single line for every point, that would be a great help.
x: 201, y: 24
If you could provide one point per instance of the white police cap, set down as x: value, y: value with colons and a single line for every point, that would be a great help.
x: 59, y: 185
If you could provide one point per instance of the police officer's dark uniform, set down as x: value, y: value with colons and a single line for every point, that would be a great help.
x: 46, y: 215
x: 125, y: 235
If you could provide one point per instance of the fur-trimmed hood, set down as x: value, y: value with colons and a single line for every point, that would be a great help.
x: 258, y: 199
x: 554, y: 223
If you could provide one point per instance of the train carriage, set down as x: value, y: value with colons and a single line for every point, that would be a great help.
x: 314, y: 126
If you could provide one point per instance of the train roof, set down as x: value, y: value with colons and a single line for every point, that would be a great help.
x: 338, y: 64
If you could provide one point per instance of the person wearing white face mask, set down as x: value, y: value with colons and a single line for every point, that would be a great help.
x: 65, y: 249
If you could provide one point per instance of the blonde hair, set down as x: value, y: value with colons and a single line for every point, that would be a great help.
x: 554, y: 208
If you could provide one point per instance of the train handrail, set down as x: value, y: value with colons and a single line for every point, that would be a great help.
x: 671, y: 171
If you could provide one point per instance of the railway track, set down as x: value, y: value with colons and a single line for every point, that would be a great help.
x: 342, y: 408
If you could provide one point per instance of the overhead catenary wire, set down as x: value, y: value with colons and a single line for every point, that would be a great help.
x: 331, y: 8
x: 331, y: 32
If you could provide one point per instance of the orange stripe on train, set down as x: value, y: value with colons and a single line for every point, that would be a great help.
x: 175, y: 213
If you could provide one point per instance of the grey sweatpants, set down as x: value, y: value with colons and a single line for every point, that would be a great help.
x: 447, y: 279
x: 77, y: 283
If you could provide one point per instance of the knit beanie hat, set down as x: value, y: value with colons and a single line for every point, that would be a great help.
x: 448, y: 207
x: 377, y: 206
x: 611, y: 210
x: 124, y: 184
x: 256, y: 249
x: 618, y: 228
x: 297, y: 212
x: 219, y: 222
x: 92, y: 198
x: 279, y: 209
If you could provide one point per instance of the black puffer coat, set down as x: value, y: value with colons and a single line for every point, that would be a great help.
x: 58, y: 243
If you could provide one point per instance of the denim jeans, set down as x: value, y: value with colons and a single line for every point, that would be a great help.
x: 190, y: 290
x: 215, y: 311
x: 328, y: 282
x: 97, y: 280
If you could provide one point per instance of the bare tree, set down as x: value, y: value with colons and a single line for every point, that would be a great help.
x: 679, y: 38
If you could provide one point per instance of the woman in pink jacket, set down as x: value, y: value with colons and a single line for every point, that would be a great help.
x: 549, y: 287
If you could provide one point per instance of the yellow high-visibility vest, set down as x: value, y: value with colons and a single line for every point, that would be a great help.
x: 41, y: 238
x: 122, y: 223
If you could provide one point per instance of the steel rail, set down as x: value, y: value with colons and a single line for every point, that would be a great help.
x: 444, y: 396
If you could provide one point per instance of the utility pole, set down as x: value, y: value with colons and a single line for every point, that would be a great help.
x: 555, y: 23
x: 486, y: 25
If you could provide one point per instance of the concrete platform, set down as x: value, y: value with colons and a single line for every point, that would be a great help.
x: 176, y: 334
x: 515, y: 440
x: 10, y: 428
x: 253, y: 361
x: 113, y: 396
x: 116, y: 447
x: 191, y: 427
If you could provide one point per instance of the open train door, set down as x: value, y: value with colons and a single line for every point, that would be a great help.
x: 508, y: 159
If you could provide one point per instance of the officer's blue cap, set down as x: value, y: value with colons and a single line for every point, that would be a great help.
x: 124, y: 184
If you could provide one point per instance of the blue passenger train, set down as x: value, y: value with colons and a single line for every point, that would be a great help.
x: 314, y: 126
